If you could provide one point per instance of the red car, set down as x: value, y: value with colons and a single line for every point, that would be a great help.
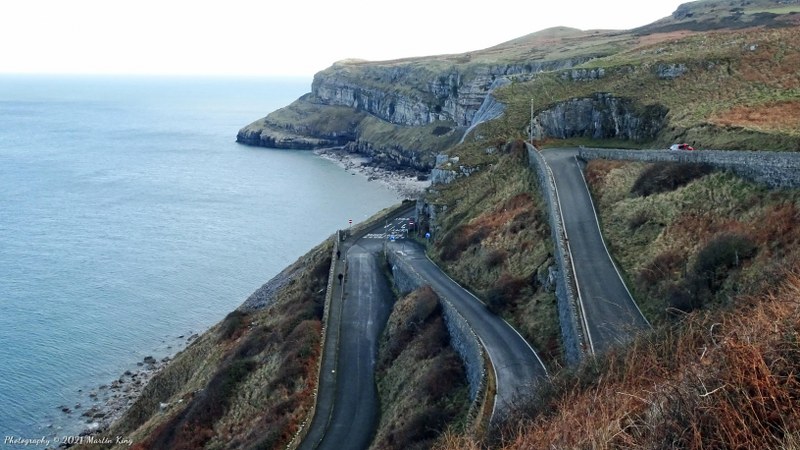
x: 685, y: 147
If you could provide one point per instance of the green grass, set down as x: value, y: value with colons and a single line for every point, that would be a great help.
x: 782, y: 10
x: 723, y: 75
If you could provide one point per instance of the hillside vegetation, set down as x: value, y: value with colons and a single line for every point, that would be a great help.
x: 248, y: 382
x: 698, y: 243
x: 718, y: 380
x: 727, y: 89
x: 422, y: 384
x: 713, y: 261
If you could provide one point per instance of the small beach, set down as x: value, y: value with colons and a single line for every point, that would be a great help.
x: 407, y: 185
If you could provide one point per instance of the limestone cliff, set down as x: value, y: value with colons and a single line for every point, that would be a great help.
x: 402, y: 113
x: 601, y: 116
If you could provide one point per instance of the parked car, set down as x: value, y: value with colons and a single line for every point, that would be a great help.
x: 677, y: 147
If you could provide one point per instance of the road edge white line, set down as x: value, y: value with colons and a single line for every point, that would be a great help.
x: 603, y: 240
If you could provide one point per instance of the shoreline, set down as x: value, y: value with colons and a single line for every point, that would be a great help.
x: 406, y: 184
x: 106, y: 403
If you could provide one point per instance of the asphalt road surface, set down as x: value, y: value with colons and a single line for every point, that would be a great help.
x: 611, y: 314
x: 347, y: 405
x: 517, y: 366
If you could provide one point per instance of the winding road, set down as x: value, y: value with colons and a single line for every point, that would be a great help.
x: 609, y: 312
x: 517, y: 366
x: 347, y: 404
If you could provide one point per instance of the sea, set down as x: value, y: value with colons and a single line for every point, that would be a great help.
x: 130, y: 219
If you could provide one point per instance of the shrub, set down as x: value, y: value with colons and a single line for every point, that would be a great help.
x: 193, y: 427
x: 460, y: 239
x: 232, y: 324
x: 257, y: 340
x: 440, y: 131
x: 494, y: 258
x: 507, y: 290
x: 439, y: 380
x: 638, y: 219
x: 663, y: 267
x: 681, y: 299
x: 665, y: 177
x: 721, y: 253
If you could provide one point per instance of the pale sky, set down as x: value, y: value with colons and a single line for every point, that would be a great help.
x: 277, y: 37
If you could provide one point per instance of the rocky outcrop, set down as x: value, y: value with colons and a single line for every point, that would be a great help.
x: 392, y: 157
x: 369, y: 107
x: 601, y: 116
x: 671, y: 71
x: 259, y: 134
x: 490, y: 109
x: 584, y: 74
x: 416, y: 93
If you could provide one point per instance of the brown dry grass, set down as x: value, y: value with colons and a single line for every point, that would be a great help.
x: 716, y: 381
x: 778, y: 115
x: 421, y: 380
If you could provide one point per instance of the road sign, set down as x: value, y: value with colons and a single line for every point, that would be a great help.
x: 427, y: 235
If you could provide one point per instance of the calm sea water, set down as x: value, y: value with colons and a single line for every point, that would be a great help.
x: 129, y: 216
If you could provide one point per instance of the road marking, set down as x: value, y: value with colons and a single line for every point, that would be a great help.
x: 603, y: 240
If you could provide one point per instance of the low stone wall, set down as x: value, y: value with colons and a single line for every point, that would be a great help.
x: 462, y: 337
x: 302, y: 432
x: 569, y: 312
x: 774, y: 169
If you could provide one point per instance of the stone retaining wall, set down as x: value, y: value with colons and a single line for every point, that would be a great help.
x: 462, y: 337
x: 569, y: 312
x: 774, y: 169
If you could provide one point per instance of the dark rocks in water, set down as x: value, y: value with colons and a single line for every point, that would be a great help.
x: 149, y: 360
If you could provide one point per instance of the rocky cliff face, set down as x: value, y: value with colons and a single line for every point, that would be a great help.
x: 601, y: 116
x: 374, y: 104
x: 414, y: 93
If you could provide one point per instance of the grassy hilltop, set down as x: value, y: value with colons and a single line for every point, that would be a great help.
x: 725, y: 70
x: 712, y: 259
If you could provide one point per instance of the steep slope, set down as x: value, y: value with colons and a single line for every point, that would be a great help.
x: 249, y: 381
x: 421, y: 380
x: 714, y: 260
